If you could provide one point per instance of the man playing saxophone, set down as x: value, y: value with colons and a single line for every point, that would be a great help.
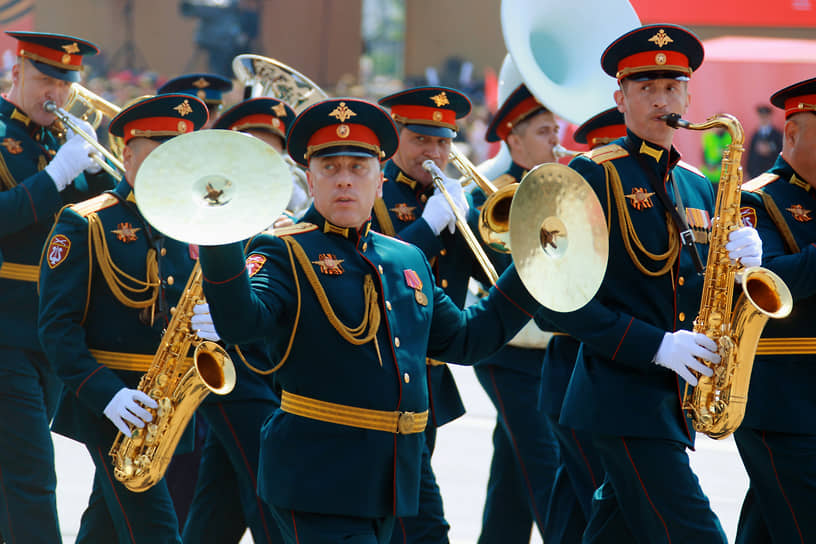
x: 38, y: 175
x: 777, y: 437
x: 107, y: 282
x: 637, y: 355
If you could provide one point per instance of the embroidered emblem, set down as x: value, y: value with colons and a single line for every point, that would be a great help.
x: 254, y: 263
x: 639, y: 198
x: 413, y: 281
x: 71, y: 48
x: 279, y: 109
x: 184, y: 108
x: 404, y: 211
x: 126, y: 233
x: 749, y: 216
x: 342, y: 113
x: 343, y: 131
x: 440, y: 99
x: 661, y: 38
x: 13, y: 146
x: 660, y: 59
x: 201, y: 83
x: 57, y: 250
x: 329, y: 264
x: 800, y: 213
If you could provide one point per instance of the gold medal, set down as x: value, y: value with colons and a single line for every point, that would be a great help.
x: 420, y: 297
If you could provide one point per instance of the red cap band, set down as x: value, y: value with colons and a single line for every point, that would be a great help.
x: 796, y: 104
x: 260, y: 120
x: 652, y: 61
x: 523, y: 110
x: 603, y: 135
x: 343, y: 134
x: 424, y: 115
x: 156, y: 126
x: 54, y: 57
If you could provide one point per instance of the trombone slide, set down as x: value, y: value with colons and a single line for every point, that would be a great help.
x: 461, y: 223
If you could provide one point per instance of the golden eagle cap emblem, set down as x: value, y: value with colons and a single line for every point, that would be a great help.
x: 661, y: 38
x: 201, y: 83
x: 279, y: 110
x: 342, y: 112
x: 440, y: 99
x: 184, y: 108
x: 71, y: 48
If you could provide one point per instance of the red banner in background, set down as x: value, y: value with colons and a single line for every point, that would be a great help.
x: 14, y: 15
x: 762, y: 13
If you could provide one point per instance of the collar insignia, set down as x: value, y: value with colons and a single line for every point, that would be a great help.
x: 440, y: 99
x: 254, y: 263
x: 126, y: 233
x: 639, y: 198
x: 13, y: 146
x: 279, y: 110
x: 334, y: 229
x: 402, y: 178
x: 404, y: 211
x: 57, y: 250
x: 794, y: 180
x: 184, y: 108
x: 201, y: 83
x: 800, y: 213
x: 342, y: 113
x: 71, y: 48
x: 17, y: 115
x: 329, y: 264
x: 661, y: 38
x: 651, y: 151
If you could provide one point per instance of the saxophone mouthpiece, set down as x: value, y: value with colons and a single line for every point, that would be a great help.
x: 674, y: 120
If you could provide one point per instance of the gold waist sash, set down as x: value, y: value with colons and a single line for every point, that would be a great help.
x: 20, y: 272
x: 136, y: 362
x: 363, y: 418
x: 786, y: 346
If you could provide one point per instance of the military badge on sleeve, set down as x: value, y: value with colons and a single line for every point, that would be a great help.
x: 412, y: 280
x: 254, y: 263
x: 749, y: 216
x: 57, y: 250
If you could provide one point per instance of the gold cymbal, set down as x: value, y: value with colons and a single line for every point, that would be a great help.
x: 212, y: 187
x: 558, y: 237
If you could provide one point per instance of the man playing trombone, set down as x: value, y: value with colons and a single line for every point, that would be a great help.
x: 38, y: 176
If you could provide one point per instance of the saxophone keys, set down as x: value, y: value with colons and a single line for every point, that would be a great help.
x: 162, y: 380
x: 152, y: 433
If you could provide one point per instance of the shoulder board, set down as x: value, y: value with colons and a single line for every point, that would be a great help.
x: 100, y: 202
x: 759, y: 182
x: 376, y: 233
x: 297, y: 228
x: 504, y: 179
x: 690, y: 168
x: 600, y: 155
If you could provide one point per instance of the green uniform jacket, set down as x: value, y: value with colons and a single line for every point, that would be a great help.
x: 782, y: 383
x: 316, y: 466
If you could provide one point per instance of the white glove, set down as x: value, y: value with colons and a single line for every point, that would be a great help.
x: 745, y: 244
x: 124, y: 407
x: 69, y: 162
x: 202, y: 322
x: 438, y: 214
x: 83, y: 125
x: 678, y: 350
x: 457, y: 193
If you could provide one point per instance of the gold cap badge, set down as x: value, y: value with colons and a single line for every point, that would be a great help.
x: 440, y: 99
x: 342, y: 113
x: 71, y: 48
x: 201, y: 83
x: 184, y: 108
x: 279, y: 110
x: 661, y: 38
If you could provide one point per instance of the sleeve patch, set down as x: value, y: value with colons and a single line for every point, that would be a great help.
x: 254, y: 263
x: 57, y: 250
x: 749, y: 216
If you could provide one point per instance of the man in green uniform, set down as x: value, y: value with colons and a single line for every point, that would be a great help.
x: 38, y: 175
x: 349, y: 316
x: 107, y: 283
x: 777, y: 437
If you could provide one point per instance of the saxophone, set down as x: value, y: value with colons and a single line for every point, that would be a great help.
x: 178, y: 384
x: 717, y: 403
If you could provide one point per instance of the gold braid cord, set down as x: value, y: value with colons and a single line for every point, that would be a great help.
x: 629, y: 235
x: 118, y: 281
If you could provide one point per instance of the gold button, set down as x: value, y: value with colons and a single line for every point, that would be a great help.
x: 396, y: 341
x: 444, y: 284
x: 406, y: 377
x: 388, y: 305
x: 423, y: 198
x: 681, y: 280
x: 380, y: 268
x: 365, y: 246
x: 443, y: 252
x: 682, y: 316
x: 170, y: 280
x: 163, y: 251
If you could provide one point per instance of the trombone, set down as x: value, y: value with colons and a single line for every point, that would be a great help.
x: 116, y: 170
x: 461, y: 222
